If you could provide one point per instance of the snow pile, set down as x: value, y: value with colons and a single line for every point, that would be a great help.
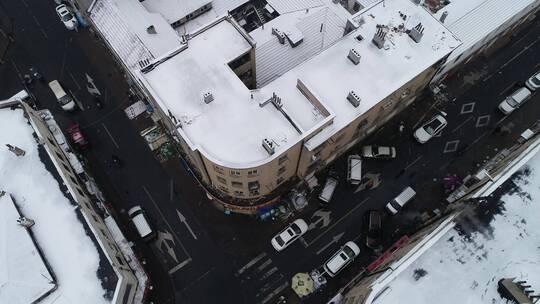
x: 465, y: 268
x: 67, y: 248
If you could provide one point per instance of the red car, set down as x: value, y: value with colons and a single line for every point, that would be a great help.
x: 77, y: 137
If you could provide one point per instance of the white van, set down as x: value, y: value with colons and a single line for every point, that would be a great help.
x: 65, y: 101
x: 400, y: 201
x: 514, y: 101
x: 354, y: 169
x: 137, y: 216
x: 328, y: 189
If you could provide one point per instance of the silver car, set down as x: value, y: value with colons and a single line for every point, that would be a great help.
x: 533, y: 83
x: 431, y: 128
x: 380, y: 152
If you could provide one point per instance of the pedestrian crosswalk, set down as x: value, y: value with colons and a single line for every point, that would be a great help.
x: 261, y: 280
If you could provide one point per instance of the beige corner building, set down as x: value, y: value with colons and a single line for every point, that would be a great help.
x: 254, y: 113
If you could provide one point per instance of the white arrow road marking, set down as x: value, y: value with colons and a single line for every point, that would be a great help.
x: 163, y: 239
x: 91, y: 86
x: 374, y: 179
x: 322, y: 216
x: 335, y: 239
x: 183, y: 220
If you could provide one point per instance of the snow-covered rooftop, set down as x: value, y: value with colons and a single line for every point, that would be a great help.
x: 125, y: 23
x: 66, y: 246
x: 472, y: 20
x: 174, y: 10
x: 235, y: 123
x: 465, y: 265
x: 219, y: 9
x: 22, y: 267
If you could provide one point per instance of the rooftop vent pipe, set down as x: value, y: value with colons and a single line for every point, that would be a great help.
x: 416, y: 33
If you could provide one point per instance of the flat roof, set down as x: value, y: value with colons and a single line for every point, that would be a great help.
x: 22, y: 267
x: 232, y: 126
x: 230, y: 129
x: 64, y: 242
x: 174, y: 10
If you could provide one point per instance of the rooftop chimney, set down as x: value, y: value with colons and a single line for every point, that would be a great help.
x: 443, y: 16
x: 208, y: 97
x: 151, y: 30
x: 354, y: 57
x: 416, y: 33
x: 269, y: 146
x: 379, y: 38
x: 353, y: 99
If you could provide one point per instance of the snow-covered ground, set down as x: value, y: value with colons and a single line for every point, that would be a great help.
x: 68, y: 249
x: 464, y: 267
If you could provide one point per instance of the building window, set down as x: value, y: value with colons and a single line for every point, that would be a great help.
x: 224, y: 189
x: 253, y: 172
x: 80, y: 191
x: 237, y: 185
x: 120, y: 261
x: 73, y: 179
x: 235, y: 173
x: 65, y: 167
x: 282, y: 159
x: 254, y: 186
x: 59, y: 155
x: 281, y: 170
x: 280, y: 180
x: 339, y: 137
x: 239, y: 193
x: 362, y: 124
x: 218, y: 169
x: 221, y: 180
x: 51, y: 141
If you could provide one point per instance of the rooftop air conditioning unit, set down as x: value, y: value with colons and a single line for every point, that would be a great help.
x: 279, y: 34
x: 354, y: 57
x: 353, y: 99
x: 416, y: 33
x: 208, y: 97
x: 269, y: 146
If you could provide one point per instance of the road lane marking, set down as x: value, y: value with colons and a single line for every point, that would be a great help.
x: 112, y: 138
x: 338, y: 221
x: 251, y: 263
x: 189, y: 259
x: 179, y: 266
x: 414, y: 162
x: 335, y: 239
x: 461, y: 124
x: 275, y: 292
x: 184, y: 221
x: 75, y: 81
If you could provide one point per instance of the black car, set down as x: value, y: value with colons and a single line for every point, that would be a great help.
x: 373, y: 226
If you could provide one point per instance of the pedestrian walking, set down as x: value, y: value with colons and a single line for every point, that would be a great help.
x: 401, y: 127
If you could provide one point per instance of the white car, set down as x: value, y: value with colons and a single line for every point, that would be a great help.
x: 514, y: 101
x: 289, y: 234
x: 139, y: 219
x: 533, y: 83
x: 431, y: 128
x: 66, y: 16
x: 342, y: 258
x: 380, y: 152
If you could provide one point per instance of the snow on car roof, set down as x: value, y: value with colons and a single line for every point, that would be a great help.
x: 465, y: 265
x: 64, y: 243
x: 230, y: 129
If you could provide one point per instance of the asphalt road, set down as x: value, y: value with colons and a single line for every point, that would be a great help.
x: 202, y: 256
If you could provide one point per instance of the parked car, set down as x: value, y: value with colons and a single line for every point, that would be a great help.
x: 343, y: 257
x: 139, y: 219
x: 533, y: 83
x: 515, y: 100
x: 354, y: 169
x: 66, y: 102
x: 431, y: 128
x: 77, y: 137
x: 380, y: 152
x: 328, y: 190
x: 405, y: 196
x: 373, y: 228
x: 66, y: 17
x: 289, y: 234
